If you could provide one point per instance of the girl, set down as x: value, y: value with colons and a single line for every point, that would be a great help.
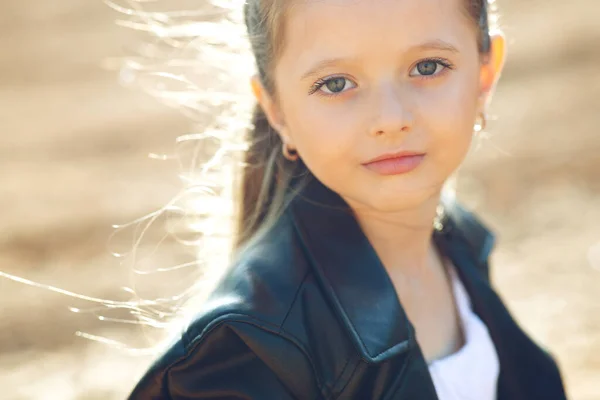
x: 356, y: 275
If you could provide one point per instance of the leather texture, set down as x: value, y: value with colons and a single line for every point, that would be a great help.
x: 308, y: 312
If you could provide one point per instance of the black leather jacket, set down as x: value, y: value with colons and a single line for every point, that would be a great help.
x: 309, y: 312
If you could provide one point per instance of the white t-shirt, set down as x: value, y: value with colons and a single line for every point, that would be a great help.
x: 471, y: 373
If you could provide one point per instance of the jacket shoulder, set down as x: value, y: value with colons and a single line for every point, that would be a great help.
x: 232, y: 356
x: 261, y: 284
x: 480, y: 238
x: 235, y: 343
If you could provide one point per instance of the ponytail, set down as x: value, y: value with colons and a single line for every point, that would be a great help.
x: 265, y: 179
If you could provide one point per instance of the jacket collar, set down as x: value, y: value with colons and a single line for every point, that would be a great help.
x: 352, y: 274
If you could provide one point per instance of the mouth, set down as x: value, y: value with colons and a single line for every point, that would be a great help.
x: 395, y: 163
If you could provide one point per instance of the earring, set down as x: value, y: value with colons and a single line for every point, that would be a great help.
x: 480, y: 122
x: 290, y: 154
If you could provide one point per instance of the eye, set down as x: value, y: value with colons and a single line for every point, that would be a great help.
x: 430, y: 67
x: 333, y: 86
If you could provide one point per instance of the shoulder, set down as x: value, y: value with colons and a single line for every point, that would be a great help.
x: 259, y: 287
x: 236, y: 341
x: 478, y: 235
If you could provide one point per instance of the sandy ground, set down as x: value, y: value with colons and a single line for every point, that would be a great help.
x: 73, y: 162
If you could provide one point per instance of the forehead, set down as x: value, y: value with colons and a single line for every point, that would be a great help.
x: 360, y: 26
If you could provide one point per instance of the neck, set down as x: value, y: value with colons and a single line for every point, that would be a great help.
x: 402, y: 239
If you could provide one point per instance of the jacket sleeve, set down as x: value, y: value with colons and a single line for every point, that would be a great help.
x: 235, y: 360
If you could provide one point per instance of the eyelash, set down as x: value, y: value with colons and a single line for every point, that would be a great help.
x: 321, y: 82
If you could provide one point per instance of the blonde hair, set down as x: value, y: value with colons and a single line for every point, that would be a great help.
x: 246, y: 169
x: 236, y: 180
x: 267, y: 174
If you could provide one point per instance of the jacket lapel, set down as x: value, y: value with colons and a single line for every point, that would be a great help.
x: 357, y: 284
x: 526, y: 371
x: 348, y: 268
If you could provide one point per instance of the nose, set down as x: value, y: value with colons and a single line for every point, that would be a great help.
x: 393, y: 113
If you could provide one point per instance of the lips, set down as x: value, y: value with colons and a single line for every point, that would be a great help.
x: 399, y: 154
x: 395, y: 163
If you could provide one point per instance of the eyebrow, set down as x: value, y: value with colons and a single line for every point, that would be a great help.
x: 437, y: 45
x: 432, y: 45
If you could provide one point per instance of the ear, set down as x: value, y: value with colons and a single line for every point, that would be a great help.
x: 491, y: 68
x: 270, y: 107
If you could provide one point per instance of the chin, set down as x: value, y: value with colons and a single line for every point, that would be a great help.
x: 392, y: 202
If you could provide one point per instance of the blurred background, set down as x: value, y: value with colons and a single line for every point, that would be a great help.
x: 75, y: 142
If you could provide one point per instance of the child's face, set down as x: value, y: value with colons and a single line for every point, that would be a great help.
x: 407, y: 77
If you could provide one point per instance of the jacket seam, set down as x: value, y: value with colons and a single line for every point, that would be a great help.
x: 341, y: 392
x: 337, y: 381
x: 306, y: 274
x: 397, y: 387
x: 297, y: 343
x: 326, y: 390
x: 249, y: 320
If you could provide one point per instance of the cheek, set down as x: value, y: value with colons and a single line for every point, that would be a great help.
x: 322, y: 135
x: 449, y: 117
